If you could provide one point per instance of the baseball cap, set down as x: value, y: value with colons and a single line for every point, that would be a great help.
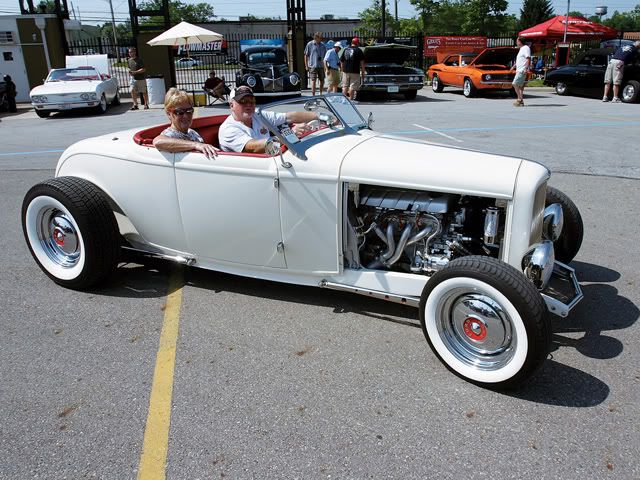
x: 355, y: 41
x: 240, y: 92
x: 336, y: 44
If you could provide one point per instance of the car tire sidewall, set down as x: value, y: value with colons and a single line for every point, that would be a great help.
x: 631, y: 91
x: 567, y: 246
x: 102, y: 106
x: 561, y: 88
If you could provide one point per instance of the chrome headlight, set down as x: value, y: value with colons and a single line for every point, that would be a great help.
x: 553, y: 220
x: 294, y: 79
x: 537, y: 264
x: 369, y: 79
x: 251, y: 81
x: 487, y: 77
x: 84, y: 96
x: 39, y: 98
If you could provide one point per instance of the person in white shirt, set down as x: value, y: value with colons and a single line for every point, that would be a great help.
x: 523, y: 60
x: 244, y: 130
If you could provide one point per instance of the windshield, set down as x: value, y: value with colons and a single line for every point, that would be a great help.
x: 70, y: 74
x: 344, y: 118
x: 272, y: 56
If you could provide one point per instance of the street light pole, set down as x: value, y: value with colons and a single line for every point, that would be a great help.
x: 115, y: 35
x: 566, y: 22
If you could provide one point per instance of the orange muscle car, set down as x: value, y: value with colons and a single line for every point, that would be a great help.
x: 488, y: 70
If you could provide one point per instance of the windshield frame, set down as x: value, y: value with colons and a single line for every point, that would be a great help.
x: 329, y: 100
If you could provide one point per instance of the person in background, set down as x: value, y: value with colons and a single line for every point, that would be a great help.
x: 332, y: 67
x: 615, y: 69
x: 215, y: 86
x: 11, y: 93
x: 523, y: 61
x: 138, y: 82
x: 352, y: 68
x: 314, y: 54
x: 244, y: 130
x: 180, y: 137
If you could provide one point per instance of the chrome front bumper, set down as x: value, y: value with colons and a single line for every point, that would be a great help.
x: 563, y: 291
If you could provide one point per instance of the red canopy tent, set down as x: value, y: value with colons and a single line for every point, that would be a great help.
x: 577, y: 28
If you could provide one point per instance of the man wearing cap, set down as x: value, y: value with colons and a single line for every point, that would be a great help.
x: 352, y: 68
x: 244, y: 131
x: 332, y: 67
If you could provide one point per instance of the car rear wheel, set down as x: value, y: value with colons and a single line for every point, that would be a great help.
x: 485, y: 321
x: 631, y: 91
x: 561, y: 88
x: 102, y: 106
x: 568, y: 245
x: 468, y: 88
x: 436, y: 84
x: 43, y: 113
x: 71, y: 231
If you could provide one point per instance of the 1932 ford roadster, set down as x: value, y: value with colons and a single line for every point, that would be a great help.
x: 478, y: 242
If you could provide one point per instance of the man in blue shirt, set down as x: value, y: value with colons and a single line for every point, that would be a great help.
x: 615, y: 69
x: 332, y: 68
x: 314, y: 54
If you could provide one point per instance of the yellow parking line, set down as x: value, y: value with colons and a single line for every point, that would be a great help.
x: 153, y: 459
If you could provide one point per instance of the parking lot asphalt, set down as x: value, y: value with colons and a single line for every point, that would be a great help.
x: 280, y: 381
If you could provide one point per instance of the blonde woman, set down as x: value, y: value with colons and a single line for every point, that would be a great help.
x: 180, y: 137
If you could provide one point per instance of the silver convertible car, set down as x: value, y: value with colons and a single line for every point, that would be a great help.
x: 480, y: 247
x: 72, y: 88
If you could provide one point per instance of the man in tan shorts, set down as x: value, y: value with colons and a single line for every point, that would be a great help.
x: 138, y: 82
x: 352, y: 68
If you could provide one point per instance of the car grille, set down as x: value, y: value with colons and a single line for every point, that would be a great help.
x: 502, y: 77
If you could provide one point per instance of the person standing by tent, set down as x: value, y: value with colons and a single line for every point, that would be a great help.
x: 523, y: 60
x: 615, y: 69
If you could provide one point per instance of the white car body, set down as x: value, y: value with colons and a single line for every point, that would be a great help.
x: 292, y: 218
x: 71, y: 88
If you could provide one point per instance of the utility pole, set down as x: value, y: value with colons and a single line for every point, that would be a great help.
x: 384, y: 15
x: 115, y: 35
x: 396, y: 11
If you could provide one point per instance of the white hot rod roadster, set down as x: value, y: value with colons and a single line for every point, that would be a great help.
x: 479, y: 243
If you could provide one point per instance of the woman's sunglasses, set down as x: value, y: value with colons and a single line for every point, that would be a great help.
x: 182, y: 111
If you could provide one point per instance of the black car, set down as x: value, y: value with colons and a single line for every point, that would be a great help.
x: 266, y: 70
x: 385, y: 72
x: 586, y: 76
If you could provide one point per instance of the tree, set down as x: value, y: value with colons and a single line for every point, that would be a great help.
x: 123, y: 30
x: 448, y: 18
x: 179, y: 12
x: 626, y: 21
x: 427, y: 10
x: 485, y: 17
x: 534, y: 12
x: 371, y: 17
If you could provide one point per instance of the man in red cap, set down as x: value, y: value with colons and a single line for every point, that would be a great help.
x: 352, y: 68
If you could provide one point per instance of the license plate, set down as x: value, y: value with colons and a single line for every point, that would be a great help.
x: 64, y: 106
x: 394, y: 89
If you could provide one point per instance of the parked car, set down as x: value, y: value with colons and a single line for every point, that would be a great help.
x: 487, y: 71
x: 586, y: 76
x: 187, y: 62
x: 72, y: 88
x: 476, y: 246
x: 385, y: 71
x: 266, y: 70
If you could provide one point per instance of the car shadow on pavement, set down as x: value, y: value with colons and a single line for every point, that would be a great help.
x: 88, y: 112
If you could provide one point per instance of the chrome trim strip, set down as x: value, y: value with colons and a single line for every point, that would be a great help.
x: 402, y: 299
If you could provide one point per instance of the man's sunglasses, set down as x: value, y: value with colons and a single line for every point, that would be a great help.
x: 182, y: 111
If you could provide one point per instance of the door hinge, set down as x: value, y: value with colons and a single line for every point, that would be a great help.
x: 276, y: 183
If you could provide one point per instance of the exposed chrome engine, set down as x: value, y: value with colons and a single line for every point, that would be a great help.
x: 417, y: 231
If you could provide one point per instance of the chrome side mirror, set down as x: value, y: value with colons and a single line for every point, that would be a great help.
x: 370, y: 121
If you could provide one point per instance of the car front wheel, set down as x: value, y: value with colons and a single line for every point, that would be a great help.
x: 468, y: 88
x: 102, y: 106
x: 43, y: 113
x: 561, y: 88
x: 71, y: 231
x: 485, y: 321
x: 436, y: 84
x: 631, y: 91
x: 567, y: 246
x: 116, y: 98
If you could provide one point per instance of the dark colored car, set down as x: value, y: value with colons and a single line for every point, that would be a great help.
x: 385, y: 72
x: 586, y: 76
x: 266, y: 70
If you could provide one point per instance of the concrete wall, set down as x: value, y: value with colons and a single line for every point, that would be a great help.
x: 157, y: 60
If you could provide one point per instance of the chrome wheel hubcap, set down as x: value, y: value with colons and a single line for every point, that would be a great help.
x: 476, y: 329
x: 58, y: 237
x: 628, y: 92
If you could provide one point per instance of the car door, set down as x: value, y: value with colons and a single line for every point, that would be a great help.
x: 230, y: 208
x: 589, y: 74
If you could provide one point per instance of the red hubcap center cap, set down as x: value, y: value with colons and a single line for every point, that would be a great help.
x: 58, y: 237
x: 475, y: 329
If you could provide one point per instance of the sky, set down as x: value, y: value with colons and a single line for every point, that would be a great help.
x: 97, y: 11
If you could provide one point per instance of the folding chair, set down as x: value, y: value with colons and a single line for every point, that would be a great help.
x: 224, y: 98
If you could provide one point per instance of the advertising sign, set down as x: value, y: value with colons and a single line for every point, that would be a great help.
x: 435, y: 45
x: 257, y: 42
x: 218, y: 47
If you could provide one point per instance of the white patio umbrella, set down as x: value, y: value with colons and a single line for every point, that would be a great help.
x: 184, y: 34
